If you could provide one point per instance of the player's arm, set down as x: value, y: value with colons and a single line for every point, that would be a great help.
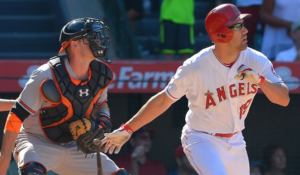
x: 154, y: 107
x: 11, y: 131
x: 19, y: 112
x: 160, y: 102
x: 8, y: 142
x: 277, y: 93
x: 101, y: 115
x: 6, y: 105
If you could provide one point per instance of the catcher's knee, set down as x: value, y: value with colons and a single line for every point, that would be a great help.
x: 120, y: 172
x: 35, y: 168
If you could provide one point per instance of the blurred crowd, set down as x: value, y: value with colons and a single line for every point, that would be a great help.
x: 273, y: 28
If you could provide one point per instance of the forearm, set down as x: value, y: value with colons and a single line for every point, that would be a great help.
x: 276, y: 93
x: 6, y: 105
x: 151, y: 110
x: 266, y: 15
x: 9, y: 139
x: 97, y: 110
x: 274, y: 21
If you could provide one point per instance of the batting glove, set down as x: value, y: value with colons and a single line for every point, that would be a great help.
x: 115, y: 140
x: 250, y: 75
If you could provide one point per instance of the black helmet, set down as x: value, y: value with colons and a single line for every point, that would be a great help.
x: 93, y: 30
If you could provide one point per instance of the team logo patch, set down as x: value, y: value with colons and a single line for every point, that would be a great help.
x: 236, y: 11
x: 81, y: 92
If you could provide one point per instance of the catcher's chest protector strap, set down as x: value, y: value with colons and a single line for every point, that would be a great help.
x: 80, y: 96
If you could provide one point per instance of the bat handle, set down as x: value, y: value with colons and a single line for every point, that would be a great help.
x: 97, y: 142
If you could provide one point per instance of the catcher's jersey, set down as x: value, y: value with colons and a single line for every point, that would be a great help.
x: 217, y: 102
x: 31, y: 99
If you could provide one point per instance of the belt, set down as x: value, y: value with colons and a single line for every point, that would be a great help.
x: 227, y: 135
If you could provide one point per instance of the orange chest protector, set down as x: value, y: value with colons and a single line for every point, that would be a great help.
x: 70, y: 99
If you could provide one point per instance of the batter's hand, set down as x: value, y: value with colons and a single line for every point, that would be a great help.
x: 250, y: 75
x: 115, y: 140
x: 4, y: 164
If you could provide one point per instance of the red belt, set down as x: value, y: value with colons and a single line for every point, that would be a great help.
x: 227, y: 135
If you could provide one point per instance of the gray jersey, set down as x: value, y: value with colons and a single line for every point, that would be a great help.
x: 33, y: 146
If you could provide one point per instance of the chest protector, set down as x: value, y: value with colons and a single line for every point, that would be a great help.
x: 71, y: 99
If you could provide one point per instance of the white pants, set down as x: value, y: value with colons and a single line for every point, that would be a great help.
x: 60, y: 159
x: 213, y: 155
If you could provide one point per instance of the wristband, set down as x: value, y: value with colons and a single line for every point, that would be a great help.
x: 262, y: 79
x: 127, y: 128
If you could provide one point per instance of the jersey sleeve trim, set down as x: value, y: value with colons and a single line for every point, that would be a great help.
x: 13, y: 123
x: 99, y: 104
x: 28, y: 109
x: 170, y: 95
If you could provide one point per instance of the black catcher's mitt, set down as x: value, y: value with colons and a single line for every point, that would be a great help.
x: 84, y: 131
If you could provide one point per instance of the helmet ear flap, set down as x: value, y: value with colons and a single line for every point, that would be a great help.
x: 222, y: 36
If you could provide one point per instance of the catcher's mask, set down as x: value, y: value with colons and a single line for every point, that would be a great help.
x: 91, y: 30
x: 219, y: 19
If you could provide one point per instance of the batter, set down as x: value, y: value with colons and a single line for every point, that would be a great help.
x: 220, y: 83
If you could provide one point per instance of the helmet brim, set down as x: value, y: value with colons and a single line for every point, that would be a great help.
x: 241, y: 16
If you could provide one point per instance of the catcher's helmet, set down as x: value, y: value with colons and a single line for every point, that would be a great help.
x: 218, y: 20
x: 93, y: 30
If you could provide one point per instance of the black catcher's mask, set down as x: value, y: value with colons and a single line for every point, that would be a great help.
x: 91, y: 29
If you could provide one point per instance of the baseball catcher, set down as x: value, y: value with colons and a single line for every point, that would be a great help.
x: 63, y: 107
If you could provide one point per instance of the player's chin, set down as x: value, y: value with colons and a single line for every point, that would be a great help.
x: 244, y: 42
x: 244, y: 46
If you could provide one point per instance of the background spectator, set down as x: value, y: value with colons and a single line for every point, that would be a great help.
x: 255, y: 168
x: 292, y: 54
x: 137, y: 161
x: 252, y: 7
x: 278, y: 16
x: 134, y: 10
x: 183, y: 165
x: 275, y: 160
x: 177, y: 28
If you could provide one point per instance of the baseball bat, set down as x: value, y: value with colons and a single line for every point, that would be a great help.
x: 97, y: 142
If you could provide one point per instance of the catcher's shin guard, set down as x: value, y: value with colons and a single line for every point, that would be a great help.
x: 33, y: 168
x: 120, y: 172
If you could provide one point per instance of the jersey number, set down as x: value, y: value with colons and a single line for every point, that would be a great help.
x: 244, y: 107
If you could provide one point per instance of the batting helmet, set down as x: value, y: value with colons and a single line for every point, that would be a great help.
x: 218, y: 20
x: 93, y: 30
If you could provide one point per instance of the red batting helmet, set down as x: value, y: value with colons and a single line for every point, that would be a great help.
x: 218, y: 20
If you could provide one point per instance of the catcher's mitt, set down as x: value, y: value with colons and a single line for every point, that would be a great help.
x: 80, y: 127
x: 84, y: 131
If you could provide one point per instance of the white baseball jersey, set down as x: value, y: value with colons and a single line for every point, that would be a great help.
x: 32, y: 144
x: 217, y: 102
